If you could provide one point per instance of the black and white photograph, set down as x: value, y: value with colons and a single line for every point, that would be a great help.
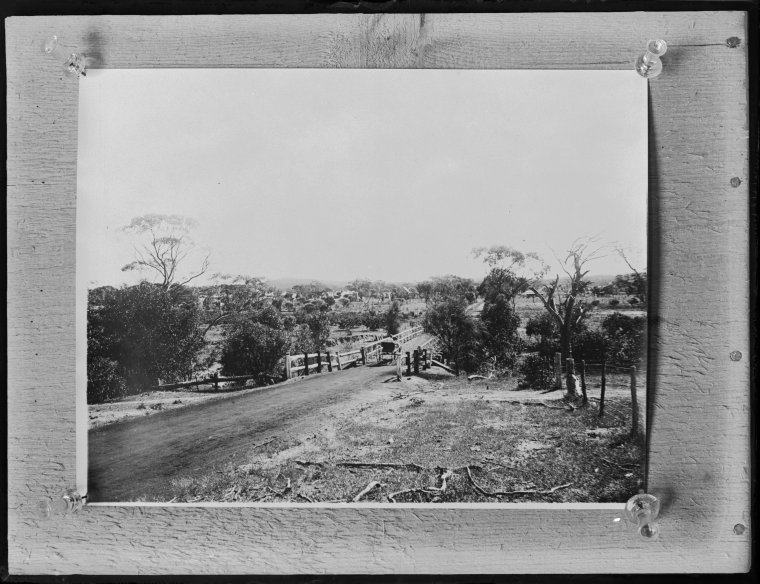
x: 358, y: 286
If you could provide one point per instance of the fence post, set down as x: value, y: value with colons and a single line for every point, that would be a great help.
x: 634, y: 404
x: 583, y: 381
x: 364, y: 356
x: 416, y: 361
x: 571, y: 380
x: 337, y: 359
x: 408, y: 363
x: 424, y: 359
x: 604, y: 386
x: 287, y: 366
x: 398, y: 368
x: 305, y: 363
x: 557, y: 370
x: 329, y: 362
x: 216, y: 381
x: 319, y: 362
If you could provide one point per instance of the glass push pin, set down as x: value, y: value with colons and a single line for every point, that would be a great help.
x: 643, y: 509
x: 70, y: 502
x: 75, y: 63
x: 649, y: 65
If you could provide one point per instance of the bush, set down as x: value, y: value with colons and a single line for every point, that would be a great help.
x: 591, y: 346
x: 500, y: 341
x: 458, y: 332
x: 372, y: 320
x: 535, y: 373
x: 253, y: 348
x: 137, y: 336
x: 104, y: 380
x: 391, y: 319
x: 627, y: 338
x: 614, y: 302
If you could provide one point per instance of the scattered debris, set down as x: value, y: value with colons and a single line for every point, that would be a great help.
x: 369, y: 488
x: 482, y: 491
x: 158, y: 406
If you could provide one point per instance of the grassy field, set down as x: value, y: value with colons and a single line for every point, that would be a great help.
x: 441, y: 439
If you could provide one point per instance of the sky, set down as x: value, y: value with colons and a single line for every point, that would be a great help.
x: 338, y: 174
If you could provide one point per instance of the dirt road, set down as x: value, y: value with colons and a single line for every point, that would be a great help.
x: 136, y: 457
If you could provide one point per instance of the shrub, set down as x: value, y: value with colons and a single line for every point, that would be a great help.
x: 535, y: 373
x: 252, y: 348
x: 614, y: 302
x: 627, y: 338
x: 391, y: 319
x: 137, y: 335
x: 500, y: 342
x: 458, y: 332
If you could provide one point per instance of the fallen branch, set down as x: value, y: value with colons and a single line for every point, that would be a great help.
x: 304, y: 497
x: 621, y: 466
x: 392, y: 496
x: 264, y: 443
x: 409, y: 465
x: 370, y: 487
x: 512, y: 493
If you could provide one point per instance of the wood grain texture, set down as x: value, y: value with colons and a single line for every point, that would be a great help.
x: 699, y: 411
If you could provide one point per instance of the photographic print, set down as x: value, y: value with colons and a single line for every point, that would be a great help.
x: 327, y: 286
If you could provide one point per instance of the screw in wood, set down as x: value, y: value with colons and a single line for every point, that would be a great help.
x: 736, y: 181
x: 649, y: 65
x: 735, y: 356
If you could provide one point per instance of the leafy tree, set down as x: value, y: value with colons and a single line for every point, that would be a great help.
x: 137, y: 335
x: 372, y: 320
x: 527, y: 266
x: 319, y: 329
x: 392, y: 319
x: 164, y: 245
x: 252, y: 347
x: 457, y: 330
x: 626, y: 338
x: 443, y: 288
x: 500, y: 339
x: 236, y: 295
x: 310, y: 291
x: 501, y: 282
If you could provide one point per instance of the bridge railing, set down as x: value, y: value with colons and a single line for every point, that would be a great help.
x: 372, y: 350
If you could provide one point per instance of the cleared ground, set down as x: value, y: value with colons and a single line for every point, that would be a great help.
x: 328, y: 437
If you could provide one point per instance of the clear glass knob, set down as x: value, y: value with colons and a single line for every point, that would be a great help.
x: 643, y: 509
x: 649, y: 65
x: 74, y: 63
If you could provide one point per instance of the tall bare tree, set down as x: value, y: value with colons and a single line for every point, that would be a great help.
x: 164, y: 249
x: 565, y: 305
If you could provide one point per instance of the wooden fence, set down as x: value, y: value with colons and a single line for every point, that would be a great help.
x: 306, y: 364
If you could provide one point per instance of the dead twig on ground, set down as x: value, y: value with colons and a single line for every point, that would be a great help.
x: 272, y: 439
x: 392, y: 496
x: 628, y: 467
x: 304, y: 497
x: 482, y: 491
x: 282, y: 493
x: 369, y: 488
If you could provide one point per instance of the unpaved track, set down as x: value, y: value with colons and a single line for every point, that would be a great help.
x: 139, y: 457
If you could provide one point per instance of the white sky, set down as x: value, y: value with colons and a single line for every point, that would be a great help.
x: 336, y: 174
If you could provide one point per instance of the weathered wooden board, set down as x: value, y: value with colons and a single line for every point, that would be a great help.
x: 699, y: 413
